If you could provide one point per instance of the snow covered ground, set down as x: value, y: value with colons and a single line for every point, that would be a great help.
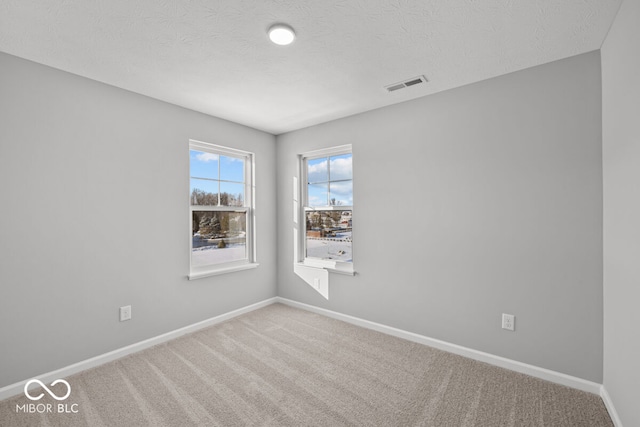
x: 338, y: 248
x: 208, y: 255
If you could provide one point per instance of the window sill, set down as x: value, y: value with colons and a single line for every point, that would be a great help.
x: 332, y: 267
x: 224, y: 270
x: 346, y: 272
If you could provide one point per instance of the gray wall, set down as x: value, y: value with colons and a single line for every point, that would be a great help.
x: 469, y: 203
x: 496, y: 187
x: 94, y: 185
x: 621, y: 170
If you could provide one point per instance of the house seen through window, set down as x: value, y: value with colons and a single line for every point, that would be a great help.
x: 220, y: 207
x: 328, y: 206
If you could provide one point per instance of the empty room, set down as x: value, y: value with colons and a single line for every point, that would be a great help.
x: 319, y: 213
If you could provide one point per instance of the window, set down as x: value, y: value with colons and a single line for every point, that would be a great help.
x: 327, y: 202
x: 220, y: 209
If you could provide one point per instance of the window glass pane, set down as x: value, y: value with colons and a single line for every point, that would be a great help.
x: 231, y: 169
x: 231, y: 194
x: 317, y: 170
x: 340, y: 167
x: 317, y: 194
x: 203, y: 165
x: 204, y: 192
x: 218, y: 237
x: 341, y: 193
x: 329, y: 235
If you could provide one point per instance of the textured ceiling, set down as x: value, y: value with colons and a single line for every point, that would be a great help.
x: 214, y: 56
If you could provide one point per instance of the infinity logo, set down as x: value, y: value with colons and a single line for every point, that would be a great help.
x: 52, y: 394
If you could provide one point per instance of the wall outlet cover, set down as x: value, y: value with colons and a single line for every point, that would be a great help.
x: 125, y: 313
x: 508, y: 322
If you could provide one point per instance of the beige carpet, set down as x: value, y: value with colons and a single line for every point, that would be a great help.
x: 280, y: 366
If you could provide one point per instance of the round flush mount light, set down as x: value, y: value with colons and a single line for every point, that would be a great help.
x: 281, y: 34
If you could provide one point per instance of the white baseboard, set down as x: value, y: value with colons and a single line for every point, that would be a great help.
x: 513, y: 365
x: 545, y: 374
x: 609, y: 404
x: 18, y: 388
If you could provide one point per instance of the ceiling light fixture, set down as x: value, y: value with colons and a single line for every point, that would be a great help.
x: 281, y: 34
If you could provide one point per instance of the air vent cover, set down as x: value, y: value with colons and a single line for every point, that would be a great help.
x: 410, y: 82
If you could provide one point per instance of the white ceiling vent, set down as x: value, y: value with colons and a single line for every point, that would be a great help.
x: 406, y: 83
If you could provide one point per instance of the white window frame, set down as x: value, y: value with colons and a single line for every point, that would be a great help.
x: 343, y: 267
x: 196, y: 272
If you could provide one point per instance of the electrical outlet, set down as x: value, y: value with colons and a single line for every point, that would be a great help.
x: 316, y: 283
x: 508, y: 322
x: 125, y: 313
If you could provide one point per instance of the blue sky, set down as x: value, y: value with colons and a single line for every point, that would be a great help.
x: 332, y: 177
x: 205, y: 168
x: 329, y: 177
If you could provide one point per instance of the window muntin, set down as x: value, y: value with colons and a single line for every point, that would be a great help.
x: 217, y: 180
x: 328, y: 206
x: 329, y: 181
x: 220, y: 207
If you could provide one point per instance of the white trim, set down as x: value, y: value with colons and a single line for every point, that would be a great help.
x: 331, y: 266
x: 534, y: 371
x: 218, y: 149
x: 608, y: 403
x: 196, y: 272
x: 17, y: 388
x: 513, y: 365
x: 346, y: 272
x: 301, y: 208
x: 225, y: 270
x: 330, y: 207
x: 330, y: 151
x: 319, y: 263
